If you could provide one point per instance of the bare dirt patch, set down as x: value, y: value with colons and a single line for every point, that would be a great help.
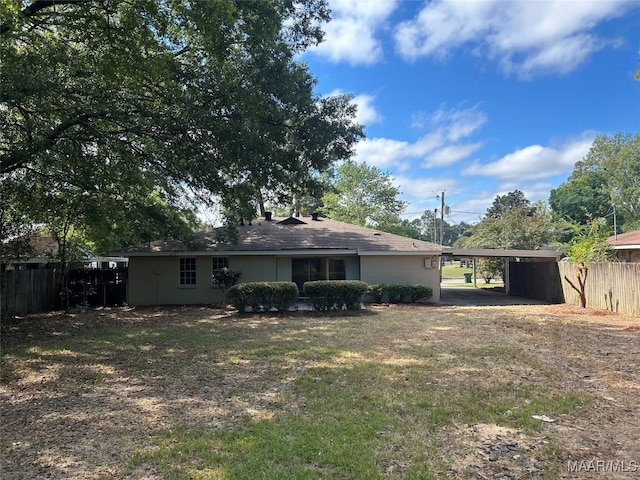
x: 80, y: 413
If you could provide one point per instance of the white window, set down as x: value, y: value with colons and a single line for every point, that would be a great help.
x: 187, y: 271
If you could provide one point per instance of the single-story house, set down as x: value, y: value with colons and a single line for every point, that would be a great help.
x: 279, y: 249
x: 626, y: 245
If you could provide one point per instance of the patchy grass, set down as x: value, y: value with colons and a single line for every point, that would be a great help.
x: 393, y: 392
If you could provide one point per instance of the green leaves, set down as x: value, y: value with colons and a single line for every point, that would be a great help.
x: 527, y: 228
x: 363, y: 195
x: 590, y: 243
x: 609, y: 175
x: 116, y: 102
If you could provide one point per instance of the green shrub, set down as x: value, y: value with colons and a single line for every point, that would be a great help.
x: 226, y: 278
x: 420, y: 292
x: 490, y: 268
x: 335, y: 294
x: 263, y: 296
x: 285, y: 296
x: 377, y: 292
x: 399, y: 293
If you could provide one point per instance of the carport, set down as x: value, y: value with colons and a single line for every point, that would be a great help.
x: 467, y: 296
x: 461, y: 295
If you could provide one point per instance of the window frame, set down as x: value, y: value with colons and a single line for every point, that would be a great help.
x: 187, y: 272
x: 215, y: 265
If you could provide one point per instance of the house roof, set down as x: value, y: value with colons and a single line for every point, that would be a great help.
x: 629, y: 240
x: 292, y: 235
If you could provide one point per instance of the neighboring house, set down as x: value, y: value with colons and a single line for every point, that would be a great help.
x: 38, y: 250
x: 626, y: 245
x: 42, y: 250
x: 290, y: 249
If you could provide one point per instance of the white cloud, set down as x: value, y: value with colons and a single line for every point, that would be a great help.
x: 351, y: 34
x: 450, y: 154
x: 440, y: 26
x: 535, y: 161
x: 367, y: 113
x: 525, y: 38
x: 383, y: 152
x: 425, y: 188
x: 470, y: 209
x: 536, y: 191
x: 458, y: 123
x: 439, y: 147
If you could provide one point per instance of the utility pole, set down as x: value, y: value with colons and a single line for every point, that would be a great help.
x: 442, y: 220
x: 435, y: 214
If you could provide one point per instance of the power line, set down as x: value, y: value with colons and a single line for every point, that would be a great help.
x: 472, y: 213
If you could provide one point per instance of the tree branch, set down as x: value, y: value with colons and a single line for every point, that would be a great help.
x: 38, y: 5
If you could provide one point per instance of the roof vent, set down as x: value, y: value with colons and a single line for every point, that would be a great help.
x: 291, y: 221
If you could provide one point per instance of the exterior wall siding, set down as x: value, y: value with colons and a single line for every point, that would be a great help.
x: 628, y: 255
x: 255, y: 268
x: 352, y: 268
x: 154, y: 280
x: 399, y: 269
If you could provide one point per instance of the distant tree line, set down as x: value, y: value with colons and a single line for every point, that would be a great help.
x: 602, y: 195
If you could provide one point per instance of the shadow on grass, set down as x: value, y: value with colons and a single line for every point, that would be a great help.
x: 194, y: 389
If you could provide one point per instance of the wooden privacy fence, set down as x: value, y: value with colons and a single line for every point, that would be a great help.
x: 29, y: 291
x: 39, y: 289
x: 610, y: 286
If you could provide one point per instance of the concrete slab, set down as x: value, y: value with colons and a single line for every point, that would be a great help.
x: 469, y: 296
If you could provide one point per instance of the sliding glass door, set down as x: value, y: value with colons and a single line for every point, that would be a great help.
x: 309, y: 269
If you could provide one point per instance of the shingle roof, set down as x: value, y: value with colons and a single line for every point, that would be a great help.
x: 285, y: 235
x: 624, y: 239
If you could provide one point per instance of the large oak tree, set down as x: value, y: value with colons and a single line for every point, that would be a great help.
x: 117, y: 108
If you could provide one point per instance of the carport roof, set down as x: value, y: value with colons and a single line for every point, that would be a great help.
x: 501, y: 253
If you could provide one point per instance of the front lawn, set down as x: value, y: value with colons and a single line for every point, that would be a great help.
x: 391, y: 392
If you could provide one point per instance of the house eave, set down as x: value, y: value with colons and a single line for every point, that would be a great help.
x: 503, y: 252
x: 243, y: 253
x: 420, y: 253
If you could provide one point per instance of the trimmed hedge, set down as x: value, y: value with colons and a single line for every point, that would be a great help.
x: 401, y: 293
x: 335, y: 294
x: 263, y: 296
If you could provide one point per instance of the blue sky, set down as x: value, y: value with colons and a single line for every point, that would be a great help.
x: 479, y: 98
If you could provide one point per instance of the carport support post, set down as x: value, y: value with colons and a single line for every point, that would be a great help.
x: 475, y: 282
x: 507, y: 283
